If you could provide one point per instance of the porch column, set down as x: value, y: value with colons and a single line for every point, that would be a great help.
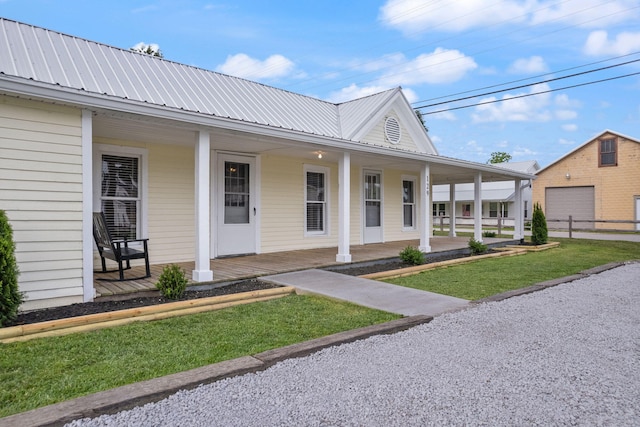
x: 424, y: 216
x: 518, y: 229
x: 344, y: 196
x: 202, y: 272
x: 452, y: 214
x: 88, y: 292
x: 477, y: 207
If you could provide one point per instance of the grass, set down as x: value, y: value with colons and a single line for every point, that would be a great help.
x: 49, y: 370
x: 493, y: 276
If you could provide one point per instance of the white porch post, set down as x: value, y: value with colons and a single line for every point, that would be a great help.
x: 88, y: 292
x: 452, y: 214
x: 424, y: 216
x: 344, y: 196
x: 518, y: 225
x: 202, y: 272
x: 477, y: 207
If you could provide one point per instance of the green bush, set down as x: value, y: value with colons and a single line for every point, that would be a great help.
x: 489, y: 234
x: 476, y: 247
x: 411, y: 255
x: 539, y: 233
x: 10, y: 297
x: 172, y: 282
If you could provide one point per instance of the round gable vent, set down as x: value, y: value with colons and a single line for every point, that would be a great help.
x: 392, y: 130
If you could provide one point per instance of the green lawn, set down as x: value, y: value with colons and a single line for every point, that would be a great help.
x: 49, y: 370
x: 492, y: 276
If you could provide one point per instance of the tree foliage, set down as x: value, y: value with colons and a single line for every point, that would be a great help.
x: 10, y: 296
x: 148, y: 49
x: 421, y: 118
x: 499, y: 157
x: 539, y: 233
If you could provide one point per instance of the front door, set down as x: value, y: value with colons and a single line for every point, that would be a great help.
x: 237, y: 205
x: 372, y: 207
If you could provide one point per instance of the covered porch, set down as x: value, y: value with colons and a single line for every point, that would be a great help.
x: 250, y: 266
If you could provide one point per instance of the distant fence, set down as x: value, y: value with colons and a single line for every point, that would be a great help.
x: 567, y: 224
x: 572, y: 225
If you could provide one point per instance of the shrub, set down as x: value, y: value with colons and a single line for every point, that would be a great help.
x: 539, y: 233
x: 412, y: 256
x: 489, y: 234
x: 172, y: 282
x: 476, y: 247
x: 10, y: 297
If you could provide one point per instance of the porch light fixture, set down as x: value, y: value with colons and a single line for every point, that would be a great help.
x: 568, y: 176
x: 319, y: 153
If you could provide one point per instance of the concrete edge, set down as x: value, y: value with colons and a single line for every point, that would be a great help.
x: 136, y: 394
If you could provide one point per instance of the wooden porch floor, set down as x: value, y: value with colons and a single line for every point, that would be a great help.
x: 250, y: 266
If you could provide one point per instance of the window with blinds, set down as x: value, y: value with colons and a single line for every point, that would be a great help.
x: 120, y: 195
x: 316, y: 202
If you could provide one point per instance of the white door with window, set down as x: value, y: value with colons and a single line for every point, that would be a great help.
x: 236, y: 205
x: 372, y: 232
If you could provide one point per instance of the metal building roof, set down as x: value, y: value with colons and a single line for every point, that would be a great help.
x: 50, y: 57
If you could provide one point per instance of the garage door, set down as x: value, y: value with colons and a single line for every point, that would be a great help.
x: 579, y: 202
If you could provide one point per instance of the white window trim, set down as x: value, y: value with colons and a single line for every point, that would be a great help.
x: 413, y: 179
x: 143, y: 154
x: 327, y: 226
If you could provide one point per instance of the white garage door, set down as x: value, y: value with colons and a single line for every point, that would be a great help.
x: 579, y: 202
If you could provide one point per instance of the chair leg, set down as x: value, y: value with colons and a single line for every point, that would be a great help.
x: 146, y: 259
x: 121, y: 270
x: 104, y: 265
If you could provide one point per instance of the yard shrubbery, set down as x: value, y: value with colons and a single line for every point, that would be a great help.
x: 10, y: 297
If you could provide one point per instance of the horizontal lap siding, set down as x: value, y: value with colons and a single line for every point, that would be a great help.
x: 41, y: 191
x: 171, y: 203
x: 282, y: 205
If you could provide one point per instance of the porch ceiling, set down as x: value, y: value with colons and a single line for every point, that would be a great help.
x: 161, y: 131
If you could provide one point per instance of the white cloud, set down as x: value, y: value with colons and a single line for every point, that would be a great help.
x: 534, y: 64
x: 520, y: 152
x: 570, y: 127
x: 527, y: 109
x: 565, y: 114
x: 354, y: 91
x: 440, y: 66
x: 242, y: 65
x: 598, y: 44
x: 416, y: 16
x: 412, y: 16
x: 563, y: 141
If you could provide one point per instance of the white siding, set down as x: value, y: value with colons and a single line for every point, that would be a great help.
x: 41, y: 191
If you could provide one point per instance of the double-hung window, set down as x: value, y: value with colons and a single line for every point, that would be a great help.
x: 316, y: 196
x: 408, y: 203
x: 118, y: 190
x: 493, y: 209
x: 608, y: 152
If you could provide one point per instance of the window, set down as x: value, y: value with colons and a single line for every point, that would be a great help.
x: 608, y: 154
x: 316, y: 200
x: 526, y: 209
x: 408, y: 203
x: 493, y: 209
x: 439, y: 209
x: 505, y: 210
x: 466, y: 209
x: 120, y: 195
x: 236, y: 193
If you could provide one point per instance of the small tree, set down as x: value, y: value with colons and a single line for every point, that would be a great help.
x: 172, y: 282
x: 539, y: 233
x: 10, y: 297
x: 499, y: 157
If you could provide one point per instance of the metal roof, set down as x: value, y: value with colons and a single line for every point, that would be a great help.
x: 49, y: 57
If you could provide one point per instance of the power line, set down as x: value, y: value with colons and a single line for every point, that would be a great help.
x: 531, y: 94
x: 528, y: 85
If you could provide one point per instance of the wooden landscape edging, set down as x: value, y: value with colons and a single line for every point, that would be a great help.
x: 122, y: 317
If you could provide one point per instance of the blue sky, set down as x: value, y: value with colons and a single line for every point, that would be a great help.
x: 437, y: 50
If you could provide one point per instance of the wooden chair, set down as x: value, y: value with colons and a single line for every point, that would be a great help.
x: 117, y: 250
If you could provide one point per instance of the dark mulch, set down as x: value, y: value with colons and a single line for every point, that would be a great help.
x: 82, y: 309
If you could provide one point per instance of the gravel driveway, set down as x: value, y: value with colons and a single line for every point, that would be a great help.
x: 569, y: 355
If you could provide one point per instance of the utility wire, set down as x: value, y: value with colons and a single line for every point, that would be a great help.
x: 528, y: 84
x: 530, y: 94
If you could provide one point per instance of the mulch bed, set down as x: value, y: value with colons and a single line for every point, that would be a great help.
x: 86, y: 308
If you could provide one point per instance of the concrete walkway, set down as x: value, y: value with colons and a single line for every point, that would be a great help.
x: 368, y: 293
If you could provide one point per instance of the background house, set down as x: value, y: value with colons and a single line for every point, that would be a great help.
x: 498, y: 198
x: 599, y: 180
